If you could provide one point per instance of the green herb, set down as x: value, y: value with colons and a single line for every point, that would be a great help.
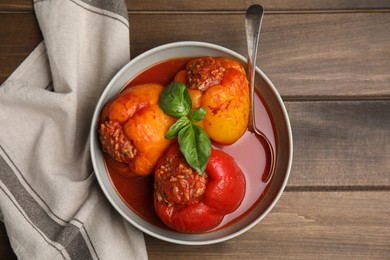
x: 197, y: 115
x: 176, y: 127
x: 175, y: 100
x: 195, y: 145
x: 194, y: 142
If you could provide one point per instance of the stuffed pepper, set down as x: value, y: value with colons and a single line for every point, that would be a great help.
x: 189, y: 202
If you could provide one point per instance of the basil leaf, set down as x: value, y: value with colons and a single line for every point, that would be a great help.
x: 177, y: 126
x: 203, y: 146
x: 175, y: 100
x: 194, y: 142
x: 197, y: 114
x: 195, y: 145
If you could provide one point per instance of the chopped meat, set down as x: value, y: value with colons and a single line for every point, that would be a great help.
x: 204, y: 72
x: 115, y: 142
x: 176, y: 183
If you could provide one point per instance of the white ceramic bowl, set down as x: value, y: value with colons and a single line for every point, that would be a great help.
x: 282, y: 130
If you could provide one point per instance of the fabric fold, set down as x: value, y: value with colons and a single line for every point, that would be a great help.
x: 51, y: 204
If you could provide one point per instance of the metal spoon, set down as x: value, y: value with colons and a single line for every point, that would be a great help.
x: 253, y: 19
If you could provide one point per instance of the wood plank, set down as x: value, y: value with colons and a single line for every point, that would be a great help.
x: 332, y: 60
x: 19, y: 35
x: 303, y: 225
x: 269, y: 5
x: 340, y: 54
x: 6, y: 252
x: 18, y: 30
x: 16, y: 5
x: 223, y: 5
x: 342, y: 144
x: 327, y: 55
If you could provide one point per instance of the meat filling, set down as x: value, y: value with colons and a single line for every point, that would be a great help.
x: 204, y: 72
x: 115, y: 142
x: 176, y: 183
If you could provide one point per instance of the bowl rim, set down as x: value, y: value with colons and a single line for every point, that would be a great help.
x: 99, y: 106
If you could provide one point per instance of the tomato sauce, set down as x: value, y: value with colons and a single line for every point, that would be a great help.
x: 250, y: 153
x: 161, y: 73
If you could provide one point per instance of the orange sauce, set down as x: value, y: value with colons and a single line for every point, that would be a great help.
x: 249, y: 152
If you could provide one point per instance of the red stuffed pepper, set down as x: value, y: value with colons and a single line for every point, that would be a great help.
x: 191, y: 203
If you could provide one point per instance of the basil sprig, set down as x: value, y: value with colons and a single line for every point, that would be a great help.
x: 194, y: 142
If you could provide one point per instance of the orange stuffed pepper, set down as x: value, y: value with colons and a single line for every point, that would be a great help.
x: 220, y: 85
x: 132, y: 130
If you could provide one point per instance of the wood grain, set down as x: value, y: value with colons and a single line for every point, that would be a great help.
x: 330, y: 62
x: 16, y: 5
x: 19, y: 35
x: 303, y: 225
x: 269, y: 5
x: 340, y: 144
x: 306, y: 56
x: 224, y: 5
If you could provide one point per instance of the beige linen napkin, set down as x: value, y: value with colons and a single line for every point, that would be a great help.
x: 50, y: 202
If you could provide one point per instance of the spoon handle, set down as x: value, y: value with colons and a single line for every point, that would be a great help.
x: 253, y: 19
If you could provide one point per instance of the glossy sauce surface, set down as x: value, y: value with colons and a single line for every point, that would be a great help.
x: 249, y: 152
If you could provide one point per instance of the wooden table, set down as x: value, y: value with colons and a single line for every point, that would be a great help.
x: 330, y: 61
